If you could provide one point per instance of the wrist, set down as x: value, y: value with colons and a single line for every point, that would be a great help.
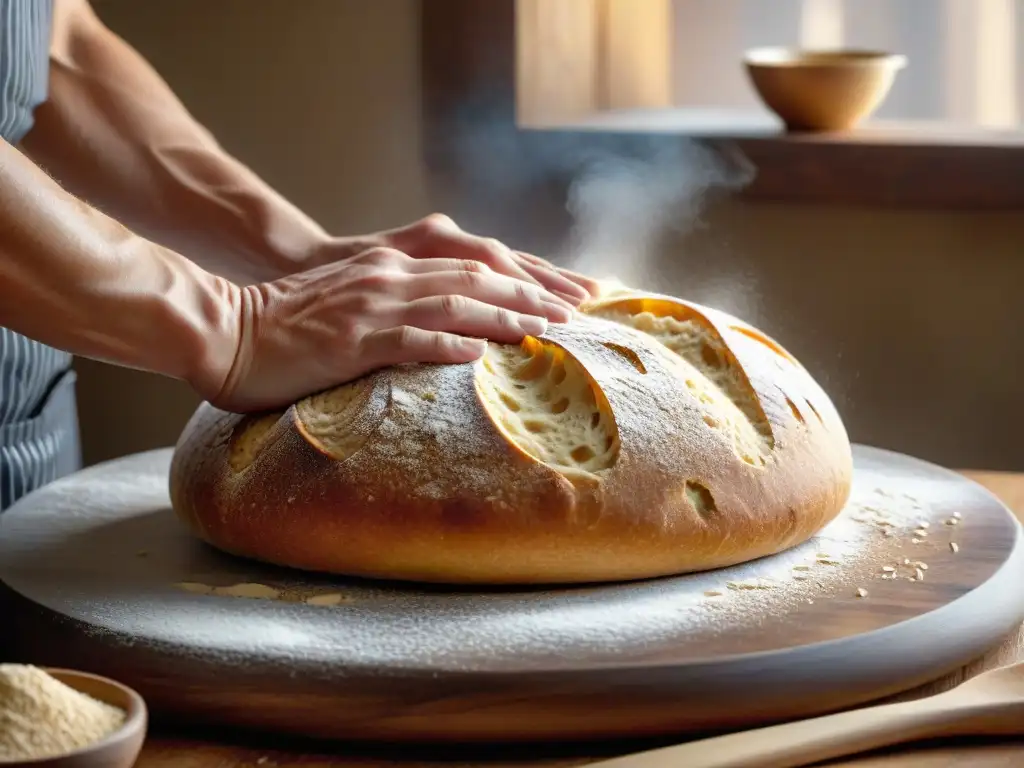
x: 208, y: 324
x: 190, y: 318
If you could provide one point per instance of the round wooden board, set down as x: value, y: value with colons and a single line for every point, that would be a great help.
x: 92, y: 565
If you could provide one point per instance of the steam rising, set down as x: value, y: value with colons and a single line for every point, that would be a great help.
x: 630, y: 198
x: 625, y: 206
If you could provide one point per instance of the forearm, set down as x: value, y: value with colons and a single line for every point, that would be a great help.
x: 113, y: 133
x: 75, y: 279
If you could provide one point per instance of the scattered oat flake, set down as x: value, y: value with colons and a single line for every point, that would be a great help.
x: 861, y: 592
x: 921, y: 532
x: 919, y: 574
x: 801, y: 567
x: 953, y: 521
x: 923, y: 524
x: 954, y: 546
x: 712, y: 593
x: 888, y: 568
x: 956, y: 515
x: 332, y: 598
x: 752, y: 584
x: 915, y: 540
x: 922, y: 566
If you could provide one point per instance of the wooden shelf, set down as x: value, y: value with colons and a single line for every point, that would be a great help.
x: 713, y: 123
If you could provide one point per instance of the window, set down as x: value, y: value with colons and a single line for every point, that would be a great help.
x: 964, y: 67
x: 949, y: 135
x: 579, y: 58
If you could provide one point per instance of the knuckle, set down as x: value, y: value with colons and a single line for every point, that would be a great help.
x: 406, y: 335
x: 490, y: 253
x: 437, y: 222
x: 505, y: 320
x: 473, y: 281
x: 494, y: 245
x: 453, y: 305
x: 442, y: 342
x: 526, y: 293
x: 497, y: 248
x: 468, y: 265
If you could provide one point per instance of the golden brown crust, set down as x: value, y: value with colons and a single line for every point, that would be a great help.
x: 686, y: 467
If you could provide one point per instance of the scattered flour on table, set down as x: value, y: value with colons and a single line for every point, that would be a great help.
x: 42, y: 717
x: 882, y: 533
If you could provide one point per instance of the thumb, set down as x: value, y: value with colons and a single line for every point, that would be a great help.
x: 407, y: 344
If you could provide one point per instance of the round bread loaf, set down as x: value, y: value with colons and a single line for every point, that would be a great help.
x: 650, y: 436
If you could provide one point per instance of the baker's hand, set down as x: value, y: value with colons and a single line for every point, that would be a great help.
x: 312, y: 330
x: 438, y: 237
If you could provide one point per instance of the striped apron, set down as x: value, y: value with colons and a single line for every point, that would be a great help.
x: 38, y: 419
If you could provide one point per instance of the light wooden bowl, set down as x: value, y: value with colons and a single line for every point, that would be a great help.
x: 822, y: 90
x: 118, y: 750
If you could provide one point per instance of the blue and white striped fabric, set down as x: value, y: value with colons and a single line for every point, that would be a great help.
x: 24, y: 63
x: 38, y: 420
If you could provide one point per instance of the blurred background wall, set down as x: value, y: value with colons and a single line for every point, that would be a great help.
x: 909, y: 318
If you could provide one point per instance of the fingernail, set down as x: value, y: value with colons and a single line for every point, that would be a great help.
x: 533, y: 326
x: 558, y: 313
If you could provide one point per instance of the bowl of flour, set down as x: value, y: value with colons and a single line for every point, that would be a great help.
x: 61, y: 718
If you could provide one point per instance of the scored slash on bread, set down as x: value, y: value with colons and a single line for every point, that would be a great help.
x: 649, y: 437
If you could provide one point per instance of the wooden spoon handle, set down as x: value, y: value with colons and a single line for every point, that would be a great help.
x: 806, y: 741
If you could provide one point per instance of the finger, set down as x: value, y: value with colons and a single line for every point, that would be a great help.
x: 588, y: 284
x: 487, y: 250
x: 407, y: 344
x: 592, y: 286
x: 489, y: 288
x: 422, y: 266
x: 463, y: 267
x: 560, y: 285
x: 469, y: 317
x: 443, y: 238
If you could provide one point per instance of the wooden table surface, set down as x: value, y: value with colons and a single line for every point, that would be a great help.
x: 166, y: 750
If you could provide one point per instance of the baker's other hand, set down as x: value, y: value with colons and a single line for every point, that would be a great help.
x: 319, y: 328
x: 438, y: 237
